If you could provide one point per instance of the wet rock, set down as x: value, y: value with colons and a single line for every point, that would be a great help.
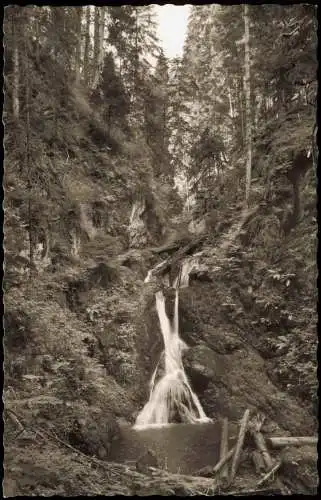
x: 201, y: 274
x: 202, y: 366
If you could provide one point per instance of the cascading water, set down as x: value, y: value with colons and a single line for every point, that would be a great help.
x: 171, y: 398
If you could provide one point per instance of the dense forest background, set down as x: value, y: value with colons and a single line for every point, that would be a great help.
x: 115, y: 155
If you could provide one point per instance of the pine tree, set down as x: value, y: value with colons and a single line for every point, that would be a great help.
x: 133, y: 34
x: 280, y: 90
x: 156, y: 117
x: 110, y: 96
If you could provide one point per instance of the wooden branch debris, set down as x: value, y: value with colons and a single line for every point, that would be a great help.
x: 269, y: 474
x: 13, y: 416
x: 239, y: 444
x: 261, y: 446
x: 280, y: 442
x: 211, y: 471
x: 224, y: 447
x: 253, y: 492
x: 223, y: 461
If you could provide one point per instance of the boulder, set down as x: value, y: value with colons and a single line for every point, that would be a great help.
x: 201, y: 366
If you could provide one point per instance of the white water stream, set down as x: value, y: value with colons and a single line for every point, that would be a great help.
x: 171, y: 398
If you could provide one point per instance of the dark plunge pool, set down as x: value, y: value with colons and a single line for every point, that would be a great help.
x: 180, y: 448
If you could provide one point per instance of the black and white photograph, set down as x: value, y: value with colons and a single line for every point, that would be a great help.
x: 160, y: 249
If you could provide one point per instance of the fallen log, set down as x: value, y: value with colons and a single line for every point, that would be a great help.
x: 261, y: 446
x: 173, y: 259
x: 211, y: 471
x: 224, y: 460
x: 280, y: 442
x: 239, y: 444
x: 253, y: 492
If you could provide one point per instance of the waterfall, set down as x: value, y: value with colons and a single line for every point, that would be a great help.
x: 171, y: 398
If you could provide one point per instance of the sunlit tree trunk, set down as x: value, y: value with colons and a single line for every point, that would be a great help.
x: 247, y: 89
x: 101, y: 39
x: 96, y: 42
x: 86, y: 63
x: 78, y: 15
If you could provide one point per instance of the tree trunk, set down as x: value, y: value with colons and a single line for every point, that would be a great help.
x: 279, y: 442
x: 96, y: 44
x: 29, y: 163
x: 99, y: 43
x: 101, y: 37
x: 231, y: 104
x: 240, y: 102
x: 247, y: 88
x: 15, y: 86
x: 78, y: 15
x: 239, y: 445
x: 86, y: 70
